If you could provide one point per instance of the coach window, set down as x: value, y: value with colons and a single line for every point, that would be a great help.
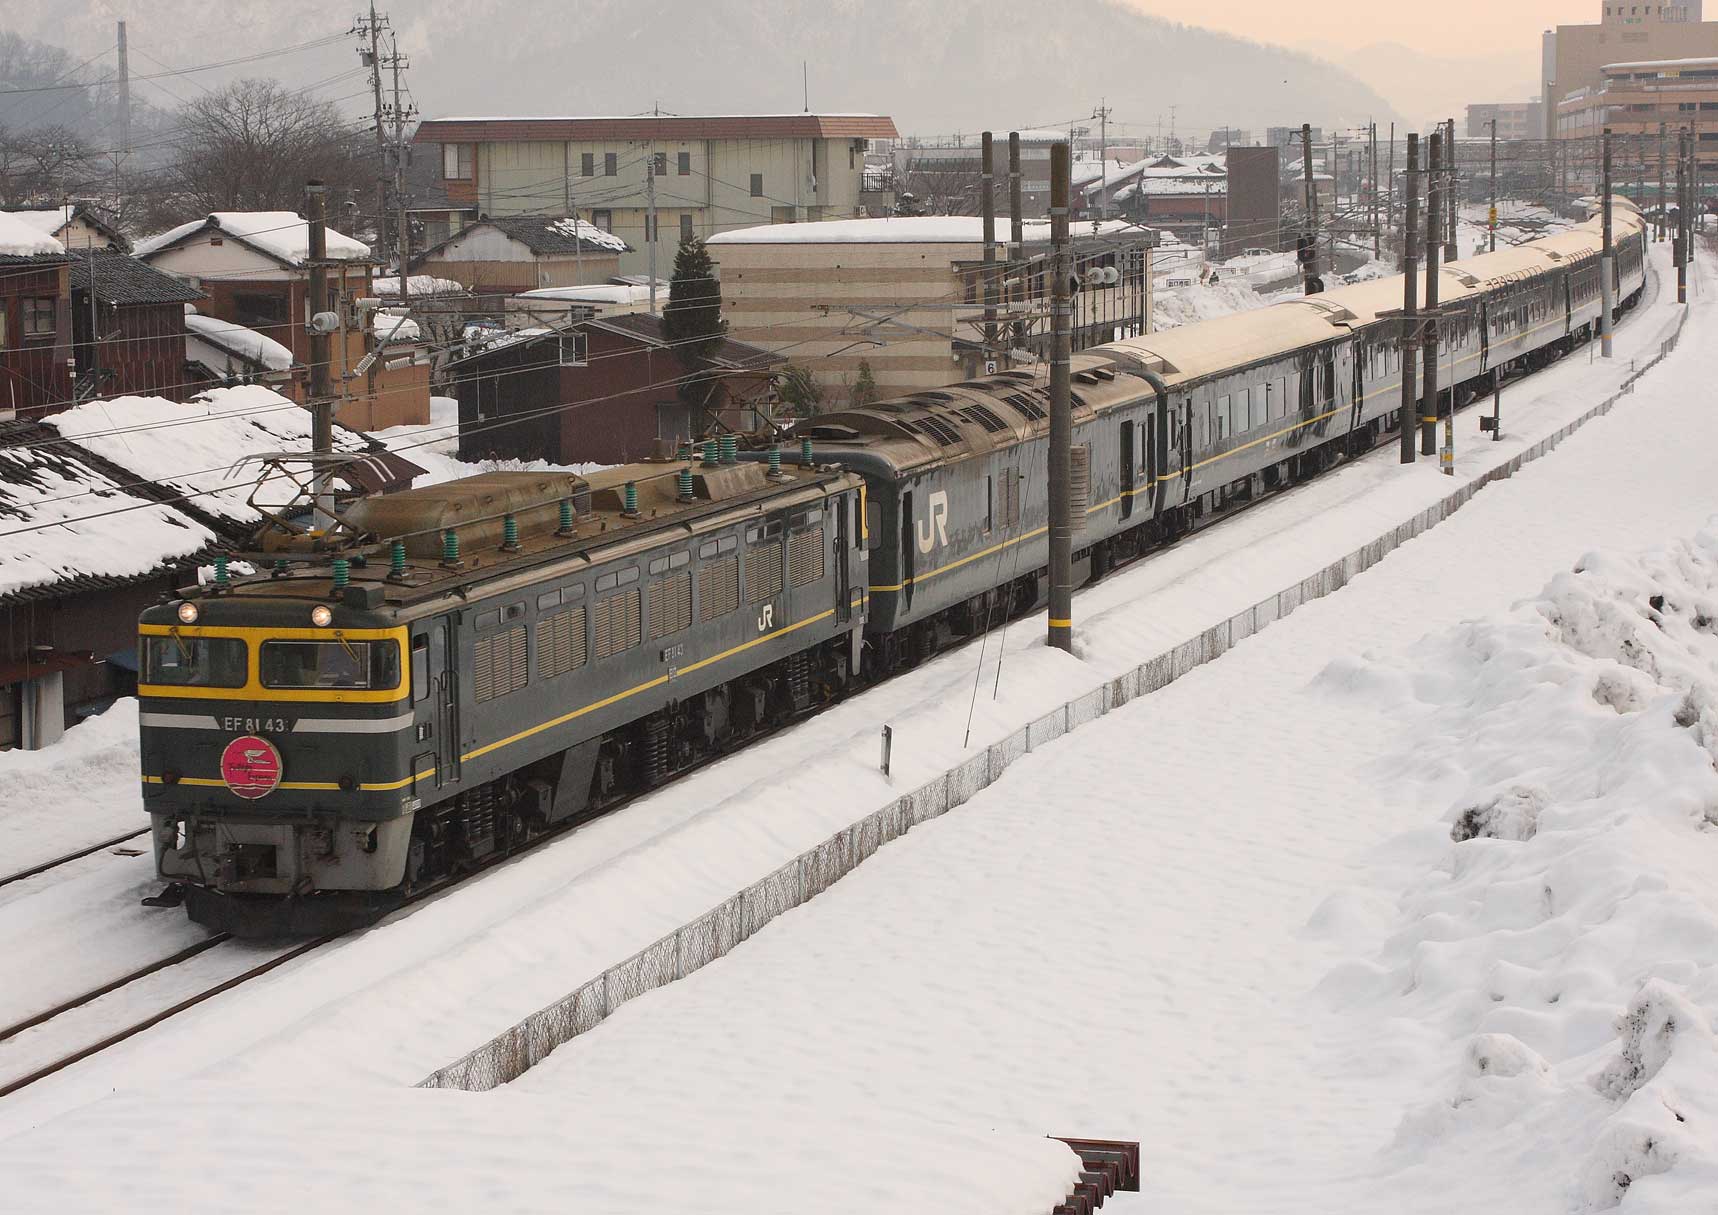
x: 1260, y: 410
x: 1238, y: 413
x: 1222, y: 431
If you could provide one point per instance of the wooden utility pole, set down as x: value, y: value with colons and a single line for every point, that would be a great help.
x: 1390, y: 182
x: 321, y: 361
x: 1016, y: 237
x: 124, y: 125
x: 649, y: 218
x: 1061, y: 411
x: 987, y: 191
x: 1410, y: 304
x: 1309, y: 271
x: 1434, y: 225
x: 1607, y: 261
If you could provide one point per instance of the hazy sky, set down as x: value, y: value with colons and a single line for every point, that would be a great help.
x: 1447, y: 27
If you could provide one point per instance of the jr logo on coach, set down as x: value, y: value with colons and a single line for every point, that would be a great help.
x: 932, y: 532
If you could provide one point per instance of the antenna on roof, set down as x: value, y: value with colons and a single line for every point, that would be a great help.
x: 805, y: 81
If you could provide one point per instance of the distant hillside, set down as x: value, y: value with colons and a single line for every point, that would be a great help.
x: 934, y: 65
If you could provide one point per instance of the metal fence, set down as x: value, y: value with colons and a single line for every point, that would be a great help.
x: 718, y: 931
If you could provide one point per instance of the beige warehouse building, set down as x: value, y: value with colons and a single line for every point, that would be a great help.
x: 903, y: 296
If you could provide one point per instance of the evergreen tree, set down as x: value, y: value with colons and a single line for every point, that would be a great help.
x: 799, y: 392
x: 865, y: 388
x: 693, y: 323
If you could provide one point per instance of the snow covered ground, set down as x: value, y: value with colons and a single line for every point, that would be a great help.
x: 1228, y: 920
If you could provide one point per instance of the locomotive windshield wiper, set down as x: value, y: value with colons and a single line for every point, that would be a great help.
x: 184, y: 650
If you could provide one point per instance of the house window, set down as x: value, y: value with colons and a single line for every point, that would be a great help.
x: 659, y: 164
x: 575, y: 349
x: 587, y: 164
x: 259, y: 310
x: 603, y: 219
x: 685, y: 226
x: 757, y: 185
x: 609, y: 164
x: 456, y: 161
x: 684, y: 164
x: 41, y: 317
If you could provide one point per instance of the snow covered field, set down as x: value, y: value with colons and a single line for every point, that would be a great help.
x: 1228, y: 920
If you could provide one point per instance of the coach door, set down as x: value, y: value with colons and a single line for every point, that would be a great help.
x: 1129, y: 466
x: 843, y: 509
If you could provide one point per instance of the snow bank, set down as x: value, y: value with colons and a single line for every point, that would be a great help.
x: 1172, y: 306
x: 20, y: 238
x: 282, y: 234
x: 1561, y: 947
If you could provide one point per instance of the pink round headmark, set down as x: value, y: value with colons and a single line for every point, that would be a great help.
x: 251, y: 766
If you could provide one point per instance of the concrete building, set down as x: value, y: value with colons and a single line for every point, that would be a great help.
x: 1573, y: 57
x: 902, y: 296
x: 1632, y: 100
x: 709, y: 174
x: 1289, y: 137
x: 1515, y: 119
x: 942, y: 172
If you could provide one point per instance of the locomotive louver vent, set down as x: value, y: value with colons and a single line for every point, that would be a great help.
x: 670, y: 604
x: 718, y: 588
x: 763, y: 572
x: 616, y: 623
x: 561, y: 643
x: 1080, y: 483
x: 805, y: 556
x: 499, y: 664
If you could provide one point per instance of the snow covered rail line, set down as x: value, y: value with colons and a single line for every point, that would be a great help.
x: 514, y: 1051
x: 68, y: 858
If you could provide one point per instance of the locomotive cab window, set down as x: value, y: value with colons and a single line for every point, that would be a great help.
x: 330, y: 664
x: 420, y: 668
x: 194, y: 662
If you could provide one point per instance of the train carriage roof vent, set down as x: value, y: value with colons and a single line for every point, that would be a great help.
x: 1027, y: 406
x: 1465, y: 279
x: 984, y: 417
x: 941, y: 431
x: 1086, y: 377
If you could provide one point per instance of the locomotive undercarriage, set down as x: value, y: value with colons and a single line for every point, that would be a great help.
x: 486, y: 824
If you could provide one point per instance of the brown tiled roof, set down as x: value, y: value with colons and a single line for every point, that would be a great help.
x: 665, y: 127
x: 647, y: 327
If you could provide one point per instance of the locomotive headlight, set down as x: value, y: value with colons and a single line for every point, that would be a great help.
x: 321, y: 615
x: 187, y: 613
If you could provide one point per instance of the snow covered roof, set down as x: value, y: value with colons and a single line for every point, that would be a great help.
x: 282, y: 235
x: 107, y: 532
x: 543, y: 234
x: 900, y: 230
x: 421, y: 284
x: 21, y: 238
x: 51, y: 220
x: 391, y: 325
x: 257, y: 349
x: 191, y: 448
x: 594, y: 294
x: 1660, y: 65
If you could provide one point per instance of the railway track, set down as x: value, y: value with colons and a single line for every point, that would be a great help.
x: 300, y: 950
x: 68, y: 858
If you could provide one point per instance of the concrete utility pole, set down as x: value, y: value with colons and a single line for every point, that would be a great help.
x: 397, y: 61
x: 1016, y: 237
x: 1491, y: 221
x: 1390, y: 182
x: 1410, y: 304
x: 1659, y: 227
x: 1607, y: 262
x: 1452, y: 194
x: 321, y: 388
x: 1061, y: 411
x: 649, y: 217
x: 987, y: 190
x: 372, y: 27
x: 1310, y: 271
x: 1372, y: 172
x: 1434, y: 224
x: 1679, y: 248
x: 1102, y: 114
x: 124, y: 123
